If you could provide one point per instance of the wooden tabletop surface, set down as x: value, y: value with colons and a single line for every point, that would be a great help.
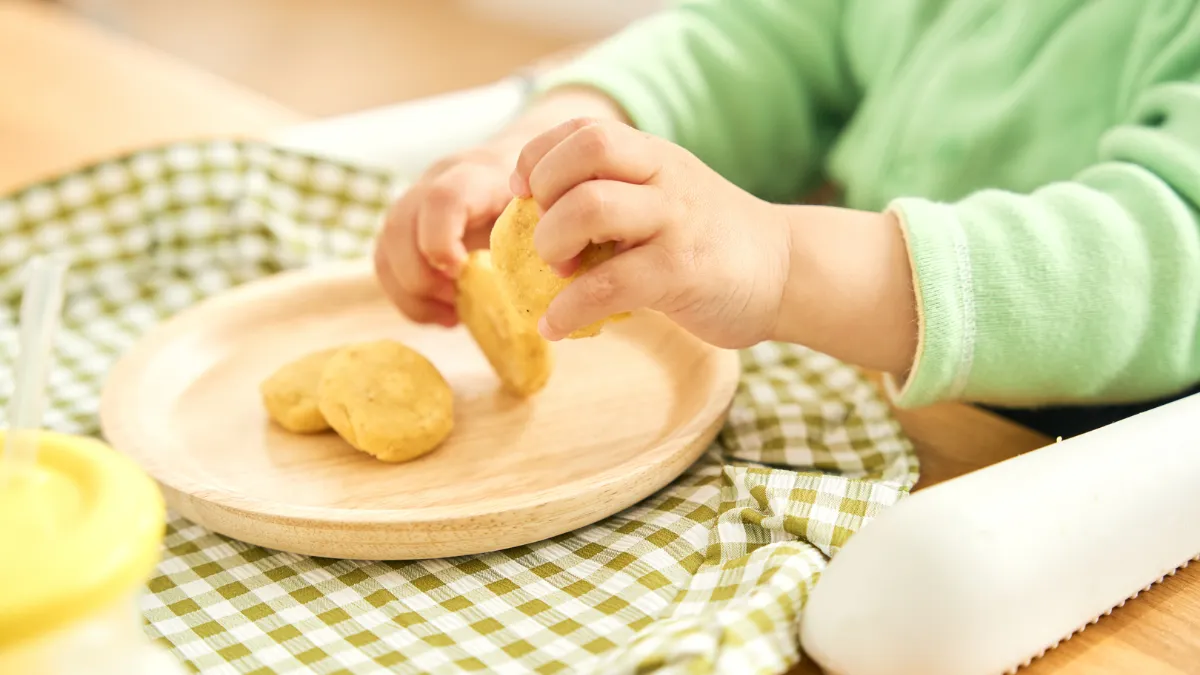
x: 72, y: 94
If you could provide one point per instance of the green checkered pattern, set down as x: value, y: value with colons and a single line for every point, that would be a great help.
x: 710, y: 575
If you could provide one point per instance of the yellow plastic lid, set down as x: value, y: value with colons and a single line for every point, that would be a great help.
x: 79, y: 530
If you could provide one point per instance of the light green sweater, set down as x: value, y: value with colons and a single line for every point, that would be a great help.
x: 1043, y: 155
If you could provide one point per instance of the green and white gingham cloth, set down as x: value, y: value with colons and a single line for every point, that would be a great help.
x: 710, y: 575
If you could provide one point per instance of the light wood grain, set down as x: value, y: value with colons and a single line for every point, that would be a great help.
x: 953, y: 439
x: 72, y: 94
x: 1156, y: 634
x: 326, y: 57
x: 622, y: 415
x: 51, y: 119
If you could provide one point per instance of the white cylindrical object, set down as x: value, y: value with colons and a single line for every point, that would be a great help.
x: 41, y: 304
x: 407, y: 137
x: 110, y: 642
x: 982, y: 573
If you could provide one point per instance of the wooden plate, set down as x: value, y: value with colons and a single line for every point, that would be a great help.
x: 623, y: 415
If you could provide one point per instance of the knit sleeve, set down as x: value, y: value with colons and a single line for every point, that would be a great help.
x: 1084, y: 290
x: 756, y: 90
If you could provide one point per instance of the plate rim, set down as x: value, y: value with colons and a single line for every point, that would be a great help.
x: 712, y: 413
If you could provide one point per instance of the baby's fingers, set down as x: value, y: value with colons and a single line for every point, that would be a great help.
x: 405, y: 276
x: 632, y: 280
x: 459, y: 199
x: 536, y: 149
x: 419, y: 308
x: 600, y: 150
x: 596, y: 212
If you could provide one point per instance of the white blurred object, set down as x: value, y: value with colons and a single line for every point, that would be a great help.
x: 586, y: 19
x: 982, y: 573
x: 109, y: 642
x: 408, y: 137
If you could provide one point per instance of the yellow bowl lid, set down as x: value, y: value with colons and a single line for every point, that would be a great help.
x: 80, y: 530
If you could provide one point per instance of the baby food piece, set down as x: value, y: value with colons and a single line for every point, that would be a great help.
x: 290, y: 395
x: 518, y: 354
x: 528, y: 281
x: 386, y: 400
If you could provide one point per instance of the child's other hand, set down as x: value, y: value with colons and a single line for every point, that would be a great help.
x: 429, y: 230
x: 690, y: 244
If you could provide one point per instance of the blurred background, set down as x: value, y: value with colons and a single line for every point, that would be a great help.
x: 325, y: 57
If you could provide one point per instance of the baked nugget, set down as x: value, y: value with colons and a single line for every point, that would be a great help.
x: 517, y: 352
x: 290, y: 394
x: 528, y: 281
x: 386, y: 400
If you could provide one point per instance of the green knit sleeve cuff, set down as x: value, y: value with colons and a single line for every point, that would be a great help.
x: 630, y: 90
x: 942, y: 278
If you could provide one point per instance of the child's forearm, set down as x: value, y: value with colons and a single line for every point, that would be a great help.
x: 549, y: 110
x: 849, y: 291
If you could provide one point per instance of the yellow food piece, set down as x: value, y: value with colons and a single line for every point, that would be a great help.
x: 519, y: 355
x: 528, y: 281
x: 290, y: 394
x: 386, y: 400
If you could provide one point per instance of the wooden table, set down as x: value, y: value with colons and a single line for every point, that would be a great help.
x: 71, y: 94
x: 353, y: 48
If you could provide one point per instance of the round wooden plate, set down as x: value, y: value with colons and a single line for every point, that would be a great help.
x: 623, y: 415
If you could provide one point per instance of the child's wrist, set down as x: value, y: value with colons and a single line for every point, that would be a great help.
x: 849, y: 289
x: 796, y: 297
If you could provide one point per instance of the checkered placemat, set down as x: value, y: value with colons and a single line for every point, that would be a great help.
x: 708, y: 576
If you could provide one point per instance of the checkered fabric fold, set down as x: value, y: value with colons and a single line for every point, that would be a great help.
x: 710, y: 575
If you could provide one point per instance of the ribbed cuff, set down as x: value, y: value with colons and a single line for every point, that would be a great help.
x: 941, y: 264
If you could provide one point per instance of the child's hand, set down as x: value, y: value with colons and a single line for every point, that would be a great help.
x: 690, y: 244
x: 429, y: 230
